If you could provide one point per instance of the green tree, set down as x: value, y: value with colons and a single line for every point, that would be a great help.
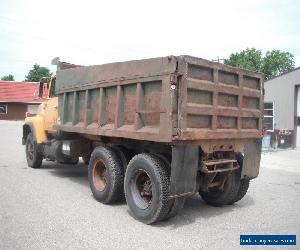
x: 36, y: 73
x: 249, y: 58
x: 277, y: 62
x: 274, y: 62
x: 8, y: 78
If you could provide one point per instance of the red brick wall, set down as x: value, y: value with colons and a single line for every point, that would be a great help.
x: 15, y: 111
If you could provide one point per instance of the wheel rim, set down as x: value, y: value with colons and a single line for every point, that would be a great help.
x: 141, y: 188
x: 100, y: 175
x: 30, y: 150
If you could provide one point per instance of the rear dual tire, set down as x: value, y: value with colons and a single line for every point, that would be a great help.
x: 234, y: 188
x: 227, y: 194
x: 176, y: 204
x: 105, y: 174
x: 146, y: 186
x: 243, y: 188
x: 244, y: 183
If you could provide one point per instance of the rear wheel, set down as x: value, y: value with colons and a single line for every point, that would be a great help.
x: 105, y: 175
x: 176, y: 204
x: 147, y: 188
x: 244, y: 186
x: 216, y: 197
x: 33, y: 157
x: 122, y: 155
x: 244, y: 183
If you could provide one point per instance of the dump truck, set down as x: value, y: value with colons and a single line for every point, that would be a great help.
x: 153, y: 132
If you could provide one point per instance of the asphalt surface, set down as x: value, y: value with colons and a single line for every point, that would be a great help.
x: 52, y: 208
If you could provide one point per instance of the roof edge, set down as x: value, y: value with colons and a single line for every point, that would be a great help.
x: 284, y: 73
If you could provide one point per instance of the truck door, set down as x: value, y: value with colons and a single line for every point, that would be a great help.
x: 51, y: 106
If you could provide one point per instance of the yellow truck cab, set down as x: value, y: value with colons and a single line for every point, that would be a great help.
x: 39, y: 129
x: 42, y: 123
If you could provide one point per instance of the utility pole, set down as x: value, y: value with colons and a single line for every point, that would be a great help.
x: 219, y: 60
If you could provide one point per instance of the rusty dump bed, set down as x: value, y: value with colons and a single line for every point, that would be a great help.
x: 166, y: 99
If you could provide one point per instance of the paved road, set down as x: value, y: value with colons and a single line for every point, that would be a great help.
x: 52, y: 208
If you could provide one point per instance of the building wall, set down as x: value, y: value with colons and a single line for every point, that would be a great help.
x: 281, y: 91
x: 15, y: 111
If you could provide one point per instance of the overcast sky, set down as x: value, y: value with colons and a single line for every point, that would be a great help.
x: 96, y: 32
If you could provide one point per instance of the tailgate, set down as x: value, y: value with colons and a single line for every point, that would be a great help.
x: 218, y: 101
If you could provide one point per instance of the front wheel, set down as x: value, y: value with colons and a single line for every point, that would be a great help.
x: 33, y: 157
x: 146, y: 188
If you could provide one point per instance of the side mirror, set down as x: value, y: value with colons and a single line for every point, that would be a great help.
x: 43, y: 81
x: 41, y: 90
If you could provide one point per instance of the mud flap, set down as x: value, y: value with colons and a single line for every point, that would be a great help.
x: 251, y: 162
x: 184, y: 169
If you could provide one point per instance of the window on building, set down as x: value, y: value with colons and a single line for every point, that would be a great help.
x: 269, y: 115
x: 32, y: 108
x: 3, y: 108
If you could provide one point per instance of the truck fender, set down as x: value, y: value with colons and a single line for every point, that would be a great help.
x: 36, y: 126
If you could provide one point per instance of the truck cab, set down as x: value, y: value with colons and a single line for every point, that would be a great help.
x: 39, y: 133
x: 42, y: 123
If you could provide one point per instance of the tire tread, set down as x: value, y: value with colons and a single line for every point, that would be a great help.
x: 163, y: 178
x: 225, y: 197
x: 38, y: 158
x: 116, y: 176
x: 244, y: 186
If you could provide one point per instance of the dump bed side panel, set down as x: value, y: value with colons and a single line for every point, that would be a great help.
x: 218, y: 102
x: 129, y: 99
x: 92, y: 76
x: 135, y: 100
